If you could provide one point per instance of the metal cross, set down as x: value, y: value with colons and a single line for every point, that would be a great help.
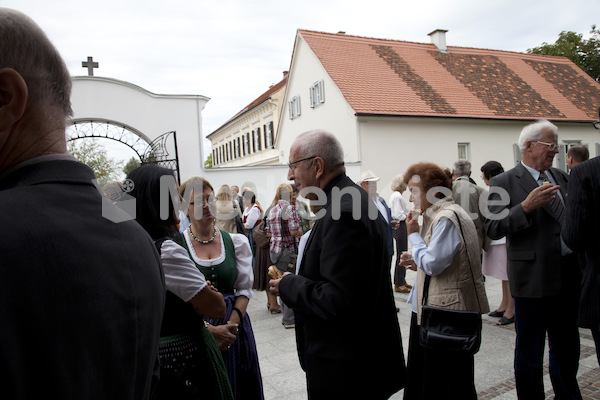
x: 90, y: 65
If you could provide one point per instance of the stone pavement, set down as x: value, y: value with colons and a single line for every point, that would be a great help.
x: 284, y: 379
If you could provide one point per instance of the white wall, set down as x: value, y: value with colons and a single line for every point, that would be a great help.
x: 264, y: 179
x: 149, y: 113
x: 334, y: 115
x: 391, y: 145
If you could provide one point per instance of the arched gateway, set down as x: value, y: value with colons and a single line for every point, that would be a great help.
x: 166, y: 129
x: 162, y: 150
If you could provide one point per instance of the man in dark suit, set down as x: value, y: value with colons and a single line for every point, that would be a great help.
x: 543, y: 272
x: 581, y: 233
x: 347, y: 332
x: 81, y: 297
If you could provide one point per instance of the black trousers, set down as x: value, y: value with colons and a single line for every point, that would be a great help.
x: 328, y: 379
x: 434, y: 374
x: 401, y: 239
x: 555, y: 316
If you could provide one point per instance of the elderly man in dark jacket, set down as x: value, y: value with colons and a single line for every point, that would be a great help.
x: 347, y: 332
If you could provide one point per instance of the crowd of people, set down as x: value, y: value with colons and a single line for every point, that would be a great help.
x: 158, y: 307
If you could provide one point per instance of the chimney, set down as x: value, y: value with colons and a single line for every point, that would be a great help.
x: 438, y: 37
x: 285, y: 73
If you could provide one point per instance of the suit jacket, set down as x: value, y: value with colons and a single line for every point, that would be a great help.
x: 466, y: 195
x: 533, y: 241
x: 388, y: 228
x: 581, y: 232
x: 81, y: 297
x: 342, y: 295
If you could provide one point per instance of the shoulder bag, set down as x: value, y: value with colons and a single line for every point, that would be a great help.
x: 259, y: 235
x: 453, y: 330
x: 287, y: 258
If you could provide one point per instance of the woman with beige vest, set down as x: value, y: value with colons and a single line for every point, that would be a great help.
x: 447, y: 250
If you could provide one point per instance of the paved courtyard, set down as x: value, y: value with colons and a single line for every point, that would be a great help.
x: 284, y: 379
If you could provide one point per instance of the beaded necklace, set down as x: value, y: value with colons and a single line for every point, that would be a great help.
x: 202, y: 241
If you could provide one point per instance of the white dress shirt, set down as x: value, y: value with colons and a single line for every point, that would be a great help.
x: 398, y: 206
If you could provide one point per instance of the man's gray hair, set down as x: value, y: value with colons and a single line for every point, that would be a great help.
x: 535, y: 131
x: 462, y: 167
x: 25, y: 48
x: 320, y: 143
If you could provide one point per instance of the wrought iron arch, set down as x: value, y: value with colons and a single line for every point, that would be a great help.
x: 160, y: 151
x: 163, y: 151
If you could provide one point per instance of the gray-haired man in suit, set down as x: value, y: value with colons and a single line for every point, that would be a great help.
x: 344, y: 277
x: 543, y: 272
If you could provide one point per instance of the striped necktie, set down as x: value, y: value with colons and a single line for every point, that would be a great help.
x: 556, y: 204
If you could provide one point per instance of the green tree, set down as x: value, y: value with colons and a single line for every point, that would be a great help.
x: 132, y: 164
x: 208, y: 161
x: 94, y: 155
x: 583, y: 52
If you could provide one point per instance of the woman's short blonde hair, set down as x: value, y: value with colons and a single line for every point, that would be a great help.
x: 398, y: 184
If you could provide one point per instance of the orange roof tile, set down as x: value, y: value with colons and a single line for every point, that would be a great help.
x: 392, y: 77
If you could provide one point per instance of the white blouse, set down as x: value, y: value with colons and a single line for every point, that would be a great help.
x: 252, y: 215
x: 182, y: 277
x: 243, y: 258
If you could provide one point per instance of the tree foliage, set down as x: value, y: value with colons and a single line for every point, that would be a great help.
x: 583, y: 52
x: 132, y: 164
x: 208, y: 162
x: 94, y: 155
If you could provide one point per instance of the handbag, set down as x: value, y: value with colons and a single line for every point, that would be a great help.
x: 259, y: 235
x: 453, y: 330
x: 286, y: 262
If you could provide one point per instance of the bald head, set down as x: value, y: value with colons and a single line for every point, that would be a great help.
x: 35, y: 90
x: 25, y: 48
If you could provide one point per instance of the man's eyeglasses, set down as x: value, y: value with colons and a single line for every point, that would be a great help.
x: 551, y: 146
x: 292, y: 165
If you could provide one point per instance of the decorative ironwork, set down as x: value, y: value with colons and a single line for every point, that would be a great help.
x: 82, y: 129
x: 160, y: 151
x: 163, y: 151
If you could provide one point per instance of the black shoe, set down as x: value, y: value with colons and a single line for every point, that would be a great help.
x: 505, y: 321
x: 496, y: 313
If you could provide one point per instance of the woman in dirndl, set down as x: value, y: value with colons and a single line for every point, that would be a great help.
x: 191, y: 365
x: 226, y: 260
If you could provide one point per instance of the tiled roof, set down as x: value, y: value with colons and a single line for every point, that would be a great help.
x: 391, y: 77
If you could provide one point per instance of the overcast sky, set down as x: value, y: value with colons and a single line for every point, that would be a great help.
x: 232, y: 51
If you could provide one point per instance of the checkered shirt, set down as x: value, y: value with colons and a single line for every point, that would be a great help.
x: 280, y: 240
